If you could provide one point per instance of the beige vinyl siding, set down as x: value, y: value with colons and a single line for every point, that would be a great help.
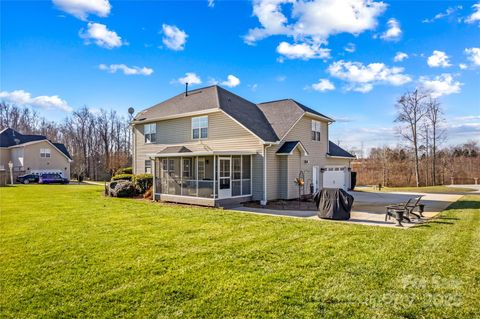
x: 302, y: 131
x: 224, y: 134
x: 257, y: 177
x: 294, y: 166
x: 284, y: 179
x: 338, y: 161
x: 4, y: 157
x: 33, y: 161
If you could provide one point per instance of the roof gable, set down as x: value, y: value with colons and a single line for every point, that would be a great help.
x: 213, y: 97
x: 335, y: 150
x: 10, y: 137
x: 288, y: 147
x: 284, y: 114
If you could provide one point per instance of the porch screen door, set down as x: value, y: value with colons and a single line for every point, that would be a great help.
x: 224, y: 177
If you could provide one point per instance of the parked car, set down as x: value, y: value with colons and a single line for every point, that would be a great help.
x: 52, y: 179
x: 27, y: 178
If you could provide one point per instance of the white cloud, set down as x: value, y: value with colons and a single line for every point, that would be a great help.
x: 83, y: 8
x: 323, y: 85
x: 253, y: 87
x: 462, y: 66
x: 211, y: 3
x: 441, y: 15
x: 362, y: 78
x: 20, y: 97
x: 473, y: 55
x: 475, y: 16
x: 101, y: 36
x: 190, y: 78
x: 350, y: 47
x: 302, y: 51
x: 400, y: 56
x: 281, y: 78
x: 440, y: 85
x: 232, y: 81
x: 173, y: 37
x: 394, y: 32
x: 135, y: 70
x: 313, y: 21
x: 438, y: 59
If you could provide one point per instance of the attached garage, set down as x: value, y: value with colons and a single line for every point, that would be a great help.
x: 336, y: 177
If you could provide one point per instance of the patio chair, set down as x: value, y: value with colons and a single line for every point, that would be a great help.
x: 399, y: 212
x: 411, y: 207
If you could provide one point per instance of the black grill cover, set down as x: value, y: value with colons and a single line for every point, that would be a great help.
x: 333, y: 203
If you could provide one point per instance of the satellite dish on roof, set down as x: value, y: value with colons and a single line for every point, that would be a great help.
x: 131, y: 110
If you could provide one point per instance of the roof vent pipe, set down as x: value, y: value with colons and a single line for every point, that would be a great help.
x: 186, y: 88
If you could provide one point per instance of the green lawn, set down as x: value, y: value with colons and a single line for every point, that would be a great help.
x: 423, y: 189
x: 67, y: 251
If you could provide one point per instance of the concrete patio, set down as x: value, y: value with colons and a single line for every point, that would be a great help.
x: 369, y: 208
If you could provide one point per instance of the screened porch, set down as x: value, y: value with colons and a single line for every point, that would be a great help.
x: 210, y: 177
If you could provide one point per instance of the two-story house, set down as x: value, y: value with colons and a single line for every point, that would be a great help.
x: 32, y: 154
x: 211, y: 147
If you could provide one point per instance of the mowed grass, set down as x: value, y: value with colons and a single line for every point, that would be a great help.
x: 422, y: 189
x: 67, y: 251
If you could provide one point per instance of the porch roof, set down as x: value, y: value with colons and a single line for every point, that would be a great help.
x: 201, y: 153
x: 288, y: 147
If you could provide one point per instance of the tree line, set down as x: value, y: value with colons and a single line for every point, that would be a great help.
x: 422, y: 160
x: 99, y: 142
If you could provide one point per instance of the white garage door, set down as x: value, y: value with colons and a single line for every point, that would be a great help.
x: 335, y: 177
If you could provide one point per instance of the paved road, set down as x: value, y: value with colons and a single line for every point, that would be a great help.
x: 476, y: 187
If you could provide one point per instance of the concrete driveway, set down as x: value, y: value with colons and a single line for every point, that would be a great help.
x: 369, y: 207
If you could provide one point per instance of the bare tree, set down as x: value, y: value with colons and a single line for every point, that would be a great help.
x: 434, y: 118
x: 410, y: 111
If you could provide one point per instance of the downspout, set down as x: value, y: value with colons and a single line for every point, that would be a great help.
x: 154, y: 171
x: 264, y: 201
x: 134, y: 153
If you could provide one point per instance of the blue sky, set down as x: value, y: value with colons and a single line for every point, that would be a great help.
x: 60, y: 55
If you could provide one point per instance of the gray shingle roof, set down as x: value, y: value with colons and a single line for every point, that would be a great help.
x: 10, y: 137
x: 213, y: 97
x: 174, y: 150
x: 335, y: 150
x: 283, y: 114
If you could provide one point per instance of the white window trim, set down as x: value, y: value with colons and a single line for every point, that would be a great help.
x: 44, y: 152
x: 150, y: 125
x: 317, y: 128
x: 199, y: 128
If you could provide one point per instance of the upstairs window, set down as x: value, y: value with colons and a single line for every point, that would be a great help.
x: 199, y: 127
x: 150, y: 132
x: 45, y: 152
x: 315, y: 130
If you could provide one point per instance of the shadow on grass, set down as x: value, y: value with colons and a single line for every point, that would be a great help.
x: 448, y: 218
x: 440, y: 222
x: 464, y: 204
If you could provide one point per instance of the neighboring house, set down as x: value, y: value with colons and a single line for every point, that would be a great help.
x: 33, y: 154
x: 211, y: 147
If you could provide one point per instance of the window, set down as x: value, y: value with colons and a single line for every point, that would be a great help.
x: 45, y: 152
x: 199, y: 127
x: 150, y: 132
x: 148, y: 167
x: 315, y: 130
